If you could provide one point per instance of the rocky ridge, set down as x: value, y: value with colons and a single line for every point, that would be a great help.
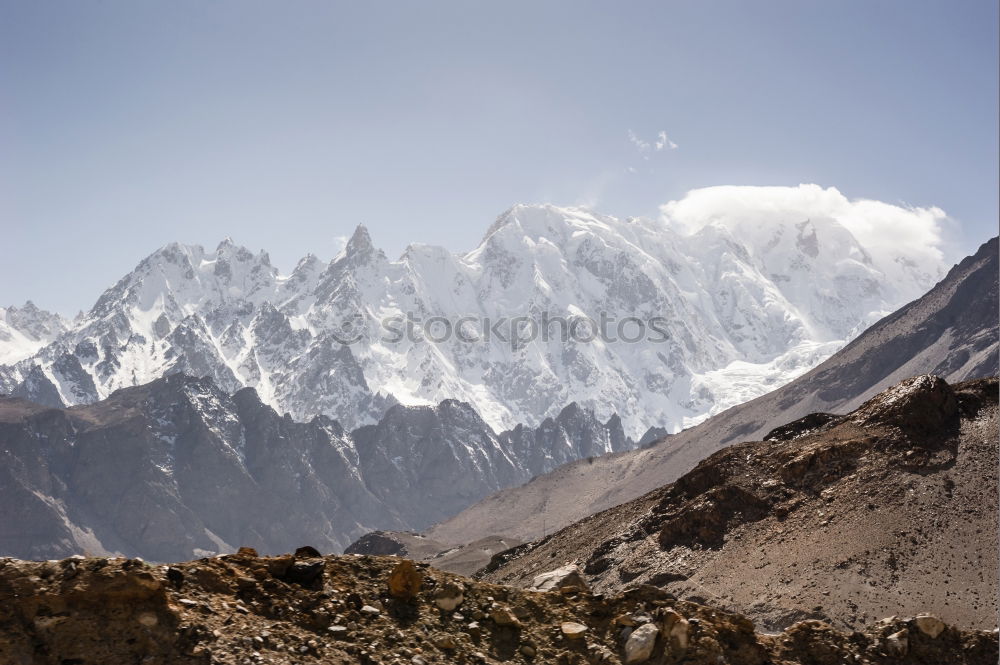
x: 303, y: 608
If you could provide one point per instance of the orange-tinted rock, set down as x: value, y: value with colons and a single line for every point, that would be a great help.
x: 405, y: 580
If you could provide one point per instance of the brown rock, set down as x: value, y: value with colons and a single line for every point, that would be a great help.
x: 148, y: 619
x: 676, y: 629
x: 175, y: 576
x: 279, y: 565
x: 898, y: 643
x: 573, y: 630
x: 246, y: 583
x: 405, y: 580
x: 502, y: 616
x: 929, y: 625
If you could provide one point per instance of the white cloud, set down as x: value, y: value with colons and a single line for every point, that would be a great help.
x: 888, y: 232
x: 339, y: 243
x: 641, y: 145
x: 661, y: 143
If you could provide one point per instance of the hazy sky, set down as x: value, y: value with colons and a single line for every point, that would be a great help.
x: 127, y: 125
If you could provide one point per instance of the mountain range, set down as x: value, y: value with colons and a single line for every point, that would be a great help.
x: 188, y: 415
x: 739, y: 309
x: 225, y: 342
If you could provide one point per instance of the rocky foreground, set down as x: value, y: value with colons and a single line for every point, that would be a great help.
x: 304, y: 608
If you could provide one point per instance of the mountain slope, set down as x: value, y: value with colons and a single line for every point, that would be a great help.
x: 178, y: 468
x: 890, y: 509
x: 951, y: 330
x: 720, y: 315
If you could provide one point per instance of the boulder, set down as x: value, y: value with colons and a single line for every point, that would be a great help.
x: 279, y: 565
x: 640, y: 644
x: 502, y: 616
x: 307, y: 552
x: 175, y: 576
x: 676, y: 629
x: 898, y: 643
x: 405, y: 580
x: 448, y: 596
x: 929, y: 625
x: 555, y: 580
x: 573, y: 630
x: 305, y: 574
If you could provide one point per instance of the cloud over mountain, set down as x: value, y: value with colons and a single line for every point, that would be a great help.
x: 891, y: 233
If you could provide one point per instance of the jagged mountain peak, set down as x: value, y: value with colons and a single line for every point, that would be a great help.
x: 26, y: 329
x: 360, y: 246
x: 30, y: 315
x: 570, y: 411
x: 184, y: 277
x: 28, y: 308
x: 225, y: 244
x: 308, y: 262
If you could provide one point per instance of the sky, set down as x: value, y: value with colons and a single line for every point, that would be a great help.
x: 125, y: 125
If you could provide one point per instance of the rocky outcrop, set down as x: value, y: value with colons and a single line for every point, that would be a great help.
x: 568, y: 576
x: 241, y: 607
x: 922, y: 407
x: 379, y: 543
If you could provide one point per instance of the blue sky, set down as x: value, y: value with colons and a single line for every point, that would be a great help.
x: 127, y: 125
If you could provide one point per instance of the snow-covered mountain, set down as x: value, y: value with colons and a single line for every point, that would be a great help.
x: 742, y: 308
x: 25, y: 330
